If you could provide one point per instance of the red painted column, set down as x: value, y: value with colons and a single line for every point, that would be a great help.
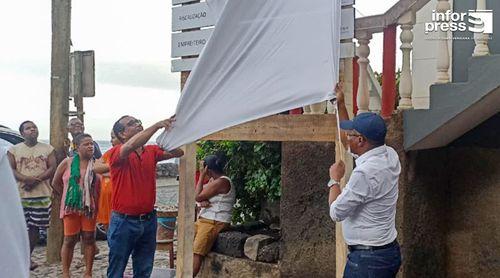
x: 389, y: 72
x: 295, y: 111
x: 355, y: 84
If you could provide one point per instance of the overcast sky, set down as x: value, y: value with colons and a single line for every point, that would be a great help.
x: 131, y: 40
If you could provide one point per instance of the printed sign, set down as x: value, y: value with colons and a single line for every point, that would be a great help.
x: 183, y: 64
x: 347, y: 24
x: 347, y: 50
x: 191, y: 16
x: 347, y: 2
x: 177, y: 2
x: 189, y: 43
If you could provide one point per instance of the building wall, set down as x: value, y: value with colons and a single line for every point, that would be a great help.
x: 307, y: 232
x: 463, y: 49
x: 425, y: 210
x: 424, y: 57
x: 473, y: 238
x: 450, y: 198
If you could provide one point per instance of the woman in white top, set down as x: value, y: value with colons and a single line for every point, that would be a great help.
x: 216, y: 198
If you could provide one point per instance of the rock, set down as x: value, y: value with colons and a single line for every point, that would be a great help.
x: 249, y: 227
x: 230, y: 243
x: 253, y: 245
x: 269, y: 253
x: 221, y: 266
x: 167, y: 170
x: 270, y: 212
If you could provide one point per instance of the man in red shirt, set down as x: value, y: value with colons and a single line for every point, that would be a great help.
x: 132, y: 228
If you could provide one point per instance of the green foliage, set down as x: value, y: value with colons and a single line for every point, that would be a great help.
x: 398, y: 79
x: 255, y: 170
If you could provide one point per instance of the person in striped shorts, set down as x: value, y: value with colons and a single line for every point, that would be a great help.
x: 33, y: 164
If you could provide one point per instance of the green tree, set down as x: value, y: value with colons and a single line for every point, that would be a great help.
x: 398, y: 78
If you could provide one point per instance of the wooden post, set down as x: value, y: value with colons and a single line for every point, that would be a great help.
x: 341, y: 154
x: 389, y: 72
x: 185, y: 232
x: 59, y: 93
x: 187, y: 169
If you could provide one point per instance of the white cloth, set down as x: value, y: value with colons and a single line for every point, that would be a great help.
x: 367, y: 205
x: 14, y: 244
x: 221, y: 205
x: 216, y: 7
x: 87, y: 186
x: 264, y: 57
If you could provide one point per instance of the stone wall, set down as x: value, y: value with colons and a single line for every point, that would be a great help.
x: 421, y: 208
x: 308, y: 233
x: 446, y: 219
x: 167, y: 169
x: 425, y: 214
x: 222, y: 266
x: 473, y: 240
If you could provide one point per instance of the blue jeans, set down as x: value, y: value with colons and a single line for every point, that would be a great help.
x: 377, y: 264
x: 131, y: 236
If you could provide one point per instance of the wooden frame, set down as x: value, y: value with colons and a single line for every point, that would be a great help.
x: 315, y: 128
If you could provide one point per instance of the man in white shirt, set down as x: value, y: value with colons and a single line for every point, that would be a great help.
x: 367, y: 205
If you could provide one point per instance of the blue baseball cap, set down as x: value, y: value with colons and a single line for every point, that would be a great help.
x: 370, y: 125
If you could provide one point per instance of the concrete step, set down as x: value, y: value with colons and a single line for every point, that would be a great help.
x: 455, y: 108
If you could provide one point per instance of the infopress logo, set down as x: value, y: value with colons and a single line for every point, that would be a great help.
x: 476, y: 21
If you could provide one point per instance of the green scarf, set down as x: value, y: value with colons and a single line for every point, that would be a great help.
x: 74, y: 198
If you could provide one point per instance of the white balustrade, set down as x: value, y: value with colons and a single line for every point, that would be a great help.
x: 443, y: 53
x: 318, y: 108
x: 481, y: 39
x: 363, y: 51
x: 307, y: 109
x: 405, y: 83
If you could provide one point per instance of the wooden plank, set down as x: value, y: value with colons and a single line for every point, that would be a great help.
x: 346, y: 76
x: 185, y: 232
x: 305, y: 128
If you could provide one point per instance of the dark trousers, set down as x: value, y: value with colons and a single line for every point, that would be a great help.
x: 380, y: 263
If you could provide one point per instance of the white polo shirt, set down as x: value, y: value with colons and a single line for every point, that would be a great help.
x: 367, y: 205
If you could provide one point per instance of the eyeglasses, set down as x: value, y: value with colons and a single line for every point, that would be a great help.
x: 134, y: 122
x: 76, y: 124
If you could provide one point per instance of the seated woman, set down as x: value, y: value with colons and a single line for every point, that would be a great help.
x: 217, y: 198
x: 78, y: 186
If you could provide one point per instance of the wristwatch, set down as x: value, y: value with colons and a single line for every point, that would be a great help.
x: 332, y: 182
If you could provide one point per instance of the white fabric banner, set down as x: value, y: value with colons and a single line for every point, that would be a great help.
x: 14, y: 243
x: 264, y: 57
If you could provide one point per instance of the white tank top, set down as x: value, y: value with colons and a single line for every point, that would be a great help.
x: 221, y: 208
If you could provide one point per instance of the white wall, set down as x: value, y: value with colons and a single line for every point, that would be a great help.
x: 424, y: 57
